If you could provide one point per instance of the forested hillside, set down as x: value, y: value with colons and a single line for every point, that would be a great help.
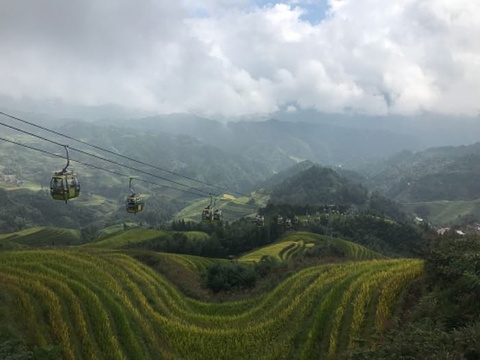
x: 317, y: 185
x: 440, y: 184
x: 107, y: 305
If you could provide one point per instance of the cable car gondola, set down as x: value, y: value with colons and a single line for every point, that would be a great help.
x: 217, y: 215
x: 64, y: 184
x: 288, y: 223
x: 259, y: 220
x: 134, y: 203
x: 207, y: 213
x: 211, y: 213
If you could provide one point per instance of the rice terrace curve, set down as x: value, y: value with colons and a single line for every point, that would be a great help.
x: 104, y: 304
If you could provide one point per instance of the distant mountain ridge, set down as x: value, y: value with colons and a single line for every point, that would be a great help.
x: 281, y: 144
x: 444, y: 173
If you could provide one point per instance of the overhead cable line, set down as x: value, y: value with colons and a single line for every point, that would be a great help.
x: 121, y: 174
x: 108, y: 160
x: 122, y: 156
x: 101, y: 168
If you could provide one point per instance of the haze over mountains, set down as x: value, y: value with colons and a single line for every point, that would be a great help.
x: 287, y: 136
x: 241, y: 155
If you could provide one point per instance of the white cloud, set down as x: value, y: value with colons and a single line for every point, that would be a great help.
x: 234, y: 58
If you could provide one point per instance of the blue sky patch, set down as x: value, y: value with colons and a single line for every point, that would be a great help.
x: 315, y: 10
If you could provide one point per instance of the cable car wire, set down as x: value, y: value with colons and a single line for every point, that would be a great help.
x: 114, y: 162
x: 119, y: 164
x: 120, y: 155
x: 107, y: 160
x: 123, y: 175
x: 100, y: 168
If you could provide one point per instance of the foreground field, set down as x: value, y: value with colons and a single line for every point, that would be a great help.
x: 100, y: 304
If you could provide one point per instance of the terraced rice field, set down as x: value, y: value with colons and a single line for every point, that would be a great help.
x: 124, y: 238
x: 197, y: 264
x: 276, y: 251
x: 39, y: 237
x: 289, y: 246
x: 102, y: 304
x: 233, y: 208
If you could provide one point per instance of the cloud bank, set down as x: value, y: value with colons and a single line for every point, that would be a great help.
x: 230, y: 58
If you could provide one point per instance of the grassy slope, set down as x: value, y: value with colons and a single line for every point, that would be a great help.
x: 103, y: 304
x: 301, y: 241
x: 195, y: 264
x: 123, y: 238
x: 231, y: 210
x: 116, y: 228
x: 39, y: 236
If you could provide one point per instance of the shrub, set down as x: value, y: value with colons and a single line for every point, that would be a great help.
x: 225, y: 277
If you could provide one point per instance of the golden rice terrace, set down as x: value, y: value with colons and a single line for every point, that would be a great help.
x: 101, y: 304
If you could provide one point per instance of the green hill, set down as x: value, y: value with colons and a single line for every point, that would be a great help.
x: 429, y: 179
x: 105, y: 305
x: 446, y: 173
x: 317, y: 186
x: 285, y: 174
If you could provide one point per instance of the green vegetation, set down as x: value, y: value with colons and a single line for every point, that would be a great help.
x: 102, y: 304
x: 437, y: 181
x: 186, y: 272
x: 277, y: 257
x: 25, y: 176
x: 368, y: 228
x: 39, y: 237
x: 230, y: 276
x: 316, y: 186
x: 279, y: 251
x: 124, y: 238
x: 303, y: 242
x: 446, y: 212
x: 109, y: 230
x: 323, y: 287
x: 196, y: 264
x: 144, y: 237
x: 380, y: 234
x: 444, y: 320
x: 232, y: 207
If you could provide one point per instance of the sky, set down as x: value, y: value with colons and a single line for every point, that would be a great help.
x: 245, y: 57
